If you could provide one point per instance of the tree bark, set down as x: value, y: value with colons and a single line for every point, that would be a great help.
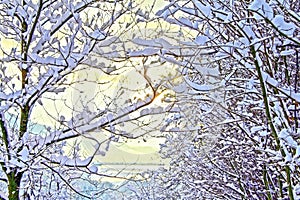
x: 14, y: 182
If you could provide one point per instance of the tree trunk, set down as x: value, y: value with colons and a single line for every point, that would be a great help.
x: 14, y: 181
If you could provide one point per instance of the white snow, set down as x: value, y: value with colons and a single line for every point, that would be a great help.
x: 267, y: 78
x: 144, y: 112
x: 205, y: 9
x: 287, y: 28
x: 158, y: 43
x: 256, y: 128
x: 93, y: 168
x: 166, y: 11
x: 97, y: 34
x: 145, y: 52
x: 186, y: 22
x: 297, y: 152
x: 203, y: 87
x: 110, y: 117
x: 24, y: 154
x: 180, y: 88
x: 262, y: 8
x: 3, y: 96
x: 201, y: 40
x: 287, y: 52
x: 285, y: 135
x: 3, y: 195
x: 264, y: 133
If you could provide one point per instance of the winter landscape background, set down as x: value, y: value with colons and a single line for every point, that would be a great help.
x: 179, y: 99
